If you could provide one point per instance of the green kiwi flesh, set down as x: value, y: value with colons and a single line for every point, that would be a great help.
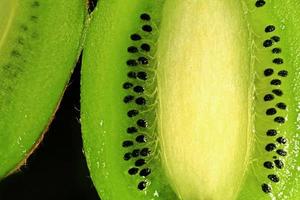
x: 40, y: 42
x: 193, y: 100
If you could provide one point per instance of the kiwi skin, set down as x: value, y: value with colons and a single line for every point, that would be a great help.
x: 40, y: 49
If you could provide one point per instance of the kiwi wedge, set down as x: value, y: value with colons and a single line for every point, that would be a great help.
x: 40, y: 42
x: 193, y: 100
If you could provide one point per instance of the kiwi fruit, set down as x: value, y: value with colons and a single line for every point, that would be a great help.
x: 40, y: 42
x: 193, y: 100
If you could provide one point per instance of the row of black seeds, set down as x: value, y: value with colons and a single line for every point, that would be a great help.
x: 9, y: 69
x: 268, y: 72
x: 140, y: 154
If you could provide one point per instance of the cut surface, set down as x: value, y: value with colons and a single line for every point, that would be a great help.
x: 192, y: 100
x: 39, y: 45
x: 205, y: 90
x: 8, y: 11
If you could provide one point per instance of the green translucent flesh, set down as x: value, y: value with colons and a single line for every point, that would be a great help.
x: 39, y: 48
x: 284, y: 16
x: 104, y: 119
x: 6, y: 16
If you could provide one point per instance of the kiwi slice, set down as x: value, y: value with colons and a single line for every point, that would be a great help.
x: 193, y: 100
x: 40, y: 42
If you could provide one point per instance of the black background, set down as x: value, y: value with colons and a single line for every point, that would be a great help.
x: 57, y: 170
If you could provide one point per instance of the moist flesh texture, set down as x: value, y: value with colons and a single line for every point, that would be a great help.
x: 210, y: 89
x: 39, y: 45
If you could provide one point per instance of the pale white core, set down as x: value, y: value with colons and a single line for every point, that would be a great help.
x: 204, y: 97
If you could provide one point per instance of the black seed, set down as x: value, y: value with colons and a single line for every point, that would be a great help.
x: 145, y: 152
x: 128, y: 98
x: 15, y: 53
x: 270, y: 147
x: 35, y: 4
x: 133, y: 171
x: 279, y: 164
x: 274, y: 157
x: 127, y: 85
x: 147, y: 28
x: 268, y: 72
x: 266, y: 188
x: 267, y: 43
x: 281, y: 106
x: 278, y: 61
x: 281, y: 140
x: 283, y: 73
x: 260, y: 3
x: 271, y: 111
x: 142, y: 75
x: 135, y: 153
x: 277, y: 92
x: 275, y: 38
x: 135, y: 37
x: 145, y: 172
x: 271, y: 132
x: 127, y: 156
x: 145, y: 17
x: 276, y: 50
x: 142, y: 123
x: 20, y: 41
x: 138, y: 89
x: 132, y: 130
x: 142, y: 185
x: 131, y: 74
x: 268, y: 97
x: 141, y: 139
x: 279, y: 120
x: 140, y: 101
x: 127, y: 143
x: 131, y: 63
x: 268, y: 165
x: 7, y: 66
x: 24, y: 27
x: 132, y: 113
x: 269, y: 28
x: 143, y: 60
x: 273, y: 178
x: 132, y: 49
x: 145, y: 47
x: 276, y: 82
x: 34, y: 18
x: 281, y: 152
x: 140, y: 162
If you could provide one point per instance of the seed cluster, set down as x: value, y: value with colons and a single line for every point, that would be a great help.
x: 277, y: 75
x: 135, y: 85
x: 13, y: 68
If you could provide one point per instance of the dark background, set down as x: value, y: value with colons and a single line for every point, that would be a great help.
x: 57, y: 170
